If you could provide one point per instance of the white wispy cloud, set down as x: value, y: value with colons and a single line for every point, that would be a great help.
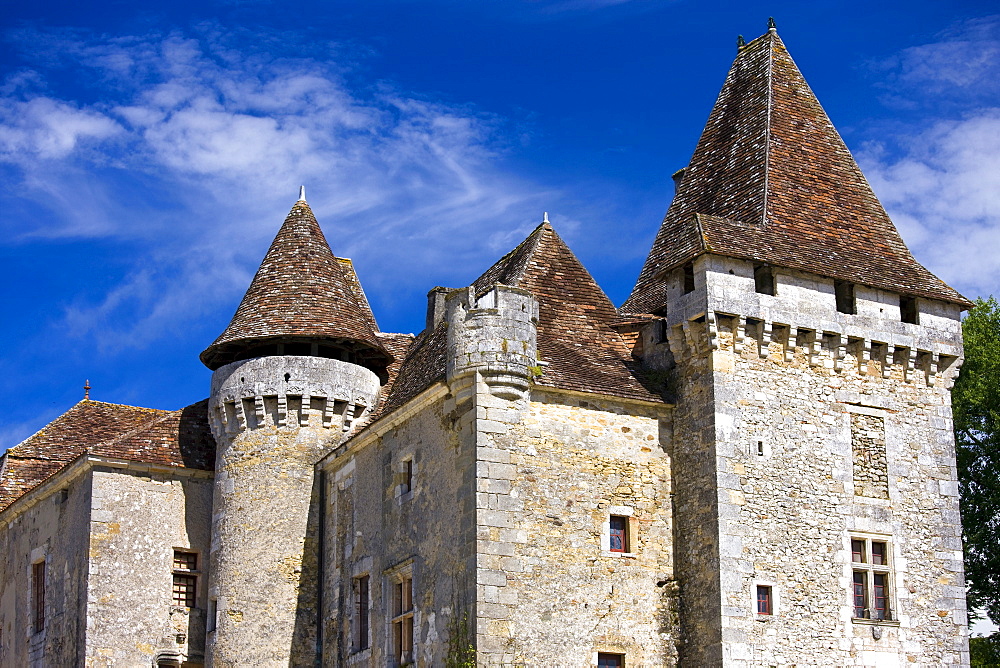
x: 196, y: 148
x: 939, y: 175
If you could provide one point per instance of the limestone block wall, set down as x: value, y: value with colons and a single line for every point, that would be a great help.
x: 138, y: 519
x: 827, y: 427
x: 52, y: 529
x: 273, y: 418
x: 400, y: 504
x: 550, y: 473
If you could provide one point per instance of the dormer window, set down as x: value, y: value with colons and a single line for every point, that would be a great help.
x: 844, y: 292
x: 763, y: 279
x: 908, y: 311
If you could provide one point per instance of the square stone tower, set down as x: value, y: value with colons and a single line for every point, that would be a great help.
x: 816, y: 501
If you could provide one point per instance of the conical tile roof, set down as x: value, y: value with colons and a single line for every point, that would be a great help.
x: 301, y: 293
x: 575, y: 334
x: 771, y: 180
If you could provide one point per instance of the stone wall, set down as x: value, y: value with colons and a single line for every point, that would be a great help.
x: 377, y: 527
x: 791, y: 380
x: 138, y: 520
x: 52, y: 529
x: 551, y: 474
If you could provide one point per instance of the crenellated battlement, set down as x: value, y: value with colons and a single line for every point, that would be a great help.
x: 290, y: 392
x: 495, y: 335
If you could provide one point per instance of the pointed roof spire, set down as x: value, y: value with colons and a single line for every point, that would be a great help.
x: 86, y: 389
x: 302, y: 193
x: 740, y: 42
x: 772, y: 181
x: 771, y: 27
x: 300, y: 295
x: 545, y: 217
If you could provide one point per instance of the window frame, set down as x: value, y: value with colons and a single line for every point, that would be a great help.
x: 38, y: 590
x: 867, y: 569
x: 767, y: 600
x: 183, y: 576
x: 361, y: 626
x: 401, y: 613
x: 604, y: 660
x: 622, y: 533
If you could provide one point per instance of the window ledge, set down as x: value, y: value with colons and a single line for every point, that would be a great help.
x: 874, y: 622
x: 764, y: 618
x: 625, y: 555
x: 360, y: 656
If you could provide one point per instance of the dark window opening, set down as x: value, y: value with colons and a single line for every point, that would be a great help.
x: 908, y: 311
x: 844, y: 292
x: 860, y: 595
x: 619, y: 533
x: 402, y: 621
x: 689, y: 277
x: 361, y: 612
x: 407, y: 483
x: 38, y: 596
x: 610, y: 660
x: 763, y: 279
x: 764, y: 601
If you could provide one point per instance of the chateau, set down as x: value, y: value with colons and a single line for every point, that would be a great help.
x: 750, y: 463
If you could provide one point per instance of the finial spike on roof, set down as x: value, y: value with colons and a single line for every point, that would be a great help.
x: 86, y: 389
x: 740, y: 42
x: 302, y: 193
x: 545, y: 217
x: 770, y: 24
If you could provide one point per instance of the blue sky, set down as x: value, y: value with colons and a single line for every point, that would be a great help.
x: 148, y: 155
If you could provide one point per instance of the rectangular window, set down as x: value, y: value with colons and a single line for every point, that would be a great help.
x: 764, y: 600
x: 908, y: 311
x: 763, y: 279
x: 185, y: 583
x: 610, y: 660
x: 619, y: 533
x: 844, y: 293
x: 871, y: 595
x: 407, y: 483
x: 688, y: 278
x: 402, y: 618
x: 361, y: 613
x: 38, y: 596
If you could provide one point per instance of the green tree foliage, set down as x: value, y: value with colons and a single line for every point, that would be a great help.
x: 985, y: 652
x: 976, y: 400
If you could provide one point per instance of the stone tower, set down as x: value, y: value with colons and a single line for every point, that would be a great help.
x: 298, y: 364
x: 816, y: 502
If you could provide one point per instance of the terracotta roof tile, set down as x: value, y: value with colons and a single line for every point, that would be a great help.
x: 171, y: 438
x: 575, y: 333
x: 301, y: 292
x: 771, y: 180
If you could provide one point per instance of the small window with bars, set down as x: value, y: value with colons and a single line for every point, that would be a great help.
x: 871, y: 578
x: 185, y: 579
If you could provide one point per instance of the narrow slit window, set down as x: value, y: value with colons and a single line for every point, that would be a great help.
x: 362, y: 607
x: 407, y: 484
x: 38, y: 596
x: 619, y: 533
